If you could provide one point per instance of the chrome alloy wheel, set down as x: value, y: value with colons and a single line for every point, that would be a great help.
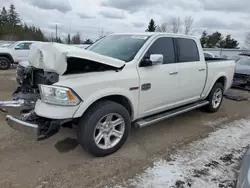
x: 109, y: 131
x: 217, y: 98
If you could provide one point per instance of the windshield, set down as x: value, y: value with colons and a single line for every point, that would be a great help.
x: 12, y: 45
x: 244, y: 61
x: 123, y: 47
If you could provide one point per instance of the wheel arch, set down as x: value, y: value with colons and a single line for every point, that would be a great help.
x: 8, y: 56
x: 118, y: 98
x: 221, y: 79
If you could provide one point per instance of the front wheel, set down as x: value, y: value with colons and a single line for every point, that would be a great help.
x: 4, y: 63
x: 104, y: 128
x: 215, y: 98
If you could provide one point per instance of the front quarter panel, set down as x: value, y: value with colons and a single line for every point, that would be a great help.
x: 94, y: 86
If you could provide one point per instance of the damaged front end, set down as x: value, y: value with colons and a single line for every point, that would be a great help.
x: 20, y: 113
x: 46, y: 62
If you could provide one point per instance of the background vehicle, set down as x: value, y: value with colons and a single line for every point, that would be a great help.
x: 244, y: 54
x: 242, y: 72
x: 119, y: 80
x: 208, y: 55
x: 243, y: 178
x: 235, y: 58
x: 14, y: 53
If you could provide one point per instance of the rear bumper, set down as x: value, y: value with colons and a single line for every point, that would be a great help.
x: 22, y: 126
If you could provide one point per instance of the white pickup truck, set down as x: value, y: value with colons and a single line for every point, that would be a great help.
x: 14, y: 53
x: 119, y: 81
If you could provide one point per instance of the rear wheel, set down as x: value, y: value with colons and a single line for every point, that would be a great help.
x: 104, y: 128
x: 4, y: 63
x: 215, y: 98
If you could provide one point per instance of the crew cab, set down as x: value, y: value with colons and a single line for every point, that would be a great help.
x: 121, y: 80
x: 14, y: 53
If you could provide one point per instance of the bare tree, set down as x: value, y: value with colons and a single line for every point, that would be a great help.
x: 175, y: 23
x: 76, y: 39
x: 247, y: 41
x: 188, y: 23
x: 164, y: 27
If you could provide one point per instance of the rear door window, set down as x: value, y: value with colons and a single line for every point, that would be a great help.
x: 187, y: 50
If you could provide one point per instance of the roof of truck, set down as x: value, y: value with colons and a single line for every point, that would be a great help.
x: 151, y: 34
x: 157, y: 34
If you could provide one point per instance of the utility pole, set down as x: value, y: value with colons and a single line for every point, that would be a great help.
x: 101, y: 33
x: 51, y: 37
x: 56, y: 32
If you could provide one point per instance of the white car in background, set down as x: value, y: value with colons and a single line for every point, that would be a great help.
x: 14, y: 53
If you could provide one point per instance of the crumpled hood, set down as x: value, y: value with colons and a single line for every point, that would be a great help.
x: 53, y: 57
x: 242, y: 69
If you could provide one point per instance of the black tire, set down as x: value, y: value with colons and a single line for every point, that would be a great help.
x: 210, y: 108
x: 88, y: 122
x: 4, y: 63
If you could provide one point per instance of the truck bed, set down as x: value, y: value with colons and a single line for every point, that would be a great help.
x: 216, y: 68
x: 215, y: 59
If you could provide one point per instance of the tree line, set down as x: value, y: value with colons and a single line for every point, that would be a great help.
x: 176, y: 25
x: 12, y: 29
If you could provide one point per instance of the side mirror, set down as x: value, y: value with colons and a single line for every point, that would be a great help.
x: 17, y: 48
x: 154, y: 59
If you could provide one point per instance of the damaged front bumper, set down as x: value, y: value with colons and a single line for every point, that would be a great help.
x: 22, y: 126
x: 20, y: 116
x: 16, y: 111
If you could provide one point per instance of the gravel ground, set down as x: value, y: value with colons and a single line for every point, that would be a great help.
x: 60, y: 162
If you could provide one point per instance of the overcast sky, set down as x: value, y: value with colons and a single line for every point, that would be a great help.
x: 91, y: 17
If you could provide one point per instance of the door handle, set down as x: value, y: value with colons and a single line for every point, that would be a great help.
x: 173, y: 73
x: 202, y: 69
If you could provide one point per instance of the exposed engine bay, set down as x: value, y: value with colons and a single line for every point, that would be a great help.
x: 27, y: 93
x: 28, y: 79
x: 79, y: 66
